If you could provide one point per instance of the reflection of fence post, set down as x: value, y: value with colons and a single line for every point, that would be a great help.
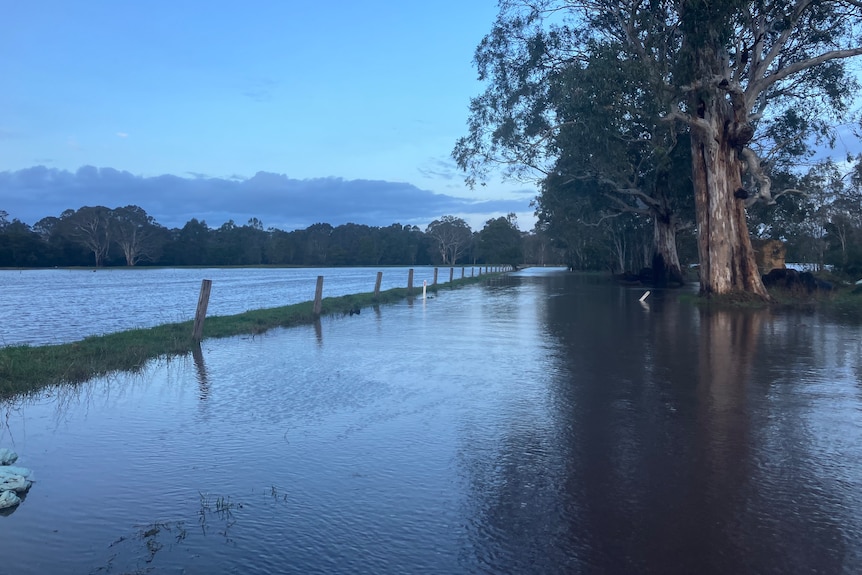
x: 377, y: 284
x: 435, y: 275
x: 318, y: 296
x: 410, y: 282
x: 201, y: 313
x: 451, y: 274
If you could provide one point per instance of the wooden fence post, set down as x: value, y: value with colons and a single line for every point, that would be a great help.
x: 201, y: 312
x: 451, y: 274
x: 435, y: 276
x: 318, y: 296
x: 462, y: 272
x: 410, y: 282
x: 377, y: 284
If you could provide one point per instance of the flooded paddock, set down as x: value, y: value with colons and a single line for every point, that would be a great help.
x: 542, y: 423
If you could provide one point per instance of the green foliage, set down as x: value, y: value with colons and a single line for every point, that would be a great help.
x: 128, y: 236
x: 500, y: 242
x: 606, y: 90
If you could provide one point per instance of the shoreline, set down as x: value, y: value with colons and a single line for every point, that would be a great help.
x: 26, y: 369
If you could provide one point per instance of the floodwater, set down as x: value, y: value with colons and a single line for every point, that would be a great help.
x: 541, y: 423
x: 48, y: 306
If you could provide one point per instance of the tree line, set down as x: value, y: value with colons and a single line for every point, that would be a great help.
x: 127, y: 236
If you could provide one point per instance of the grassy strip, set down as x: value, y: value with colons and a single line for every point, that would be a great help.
x: 26, y: 369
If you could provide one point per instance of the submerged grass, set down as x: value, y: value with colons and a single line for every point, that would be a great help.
x: 27, y: 369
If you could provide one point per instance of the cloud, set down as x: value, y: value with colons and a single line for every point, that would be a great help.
x: 122, y: 135
x: 441, y: 169
x: 277, y: 200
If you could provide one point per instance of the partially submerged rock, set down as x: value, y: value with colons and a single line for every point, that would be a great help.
x: 8, y: 499
x: 7, y: 456
x: 13, y: 479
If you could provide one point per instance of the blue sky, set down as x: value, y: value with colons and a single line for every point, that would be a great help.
x: 366, y: 96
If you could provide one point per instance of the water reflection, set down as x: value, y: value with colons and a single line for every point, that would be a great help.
x: 201, y: 370
x: 544, y: 424
x: 656, y: 456
x: 318, y: 331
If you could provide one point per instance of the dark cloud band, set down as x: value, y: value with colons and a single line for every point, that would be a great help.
x: 277, y: 200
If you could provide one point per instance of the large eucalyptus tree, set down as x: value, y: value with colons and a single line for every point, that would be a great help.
x: 728, y: 72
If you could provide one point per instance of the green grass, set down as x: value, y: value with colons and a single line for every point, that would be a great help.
x: 27, y: 369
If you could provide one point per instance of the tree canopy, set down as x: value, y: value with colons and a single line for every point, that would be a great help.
x: 730, y: 74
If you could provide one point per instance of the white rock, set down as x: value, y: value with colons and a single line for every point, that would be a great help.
x: 8, y: 499
x: 13, y: 481
x: 15, y: 470
x: 7, y: 456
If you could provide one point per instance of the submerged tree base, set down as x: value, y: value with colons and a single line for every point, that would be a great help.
x: 27, y: 369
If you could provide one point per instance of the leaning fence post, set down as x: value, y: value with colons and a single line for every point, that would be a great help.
x: 410, y: 282
x: 318, y: 296
x: 377, y: 284
x: 201, y: 313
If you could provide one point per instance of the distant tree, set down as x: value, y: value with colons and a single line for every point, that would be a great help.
x: 452, y: 235
x: 139, y: 236
x: 19, y: 245
x: 317, y: 243
x: 354, y: 244
x: 538, y: 248
x: 190, y: 245
x: 91, y: 226
x: 253, y: 241
x: 283, y: 247
x: 500, y: 242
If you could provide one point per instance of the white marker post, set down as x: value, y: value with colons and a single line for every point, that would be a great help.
x: 424, y: 288
x: 644, y: 296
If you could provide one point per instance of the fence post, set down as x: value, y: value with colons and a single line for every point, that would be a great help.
x: 201, y: 313
x: 435, y: 276
x: 318, y: 296
x: 410, y: 282
x: 451, y: 274
x: 462, y: 272
x: 377, y: 284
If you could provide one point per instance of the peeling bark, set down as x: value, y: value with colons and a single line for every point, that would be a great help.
x: 726, y: 255
x: 665, y: 260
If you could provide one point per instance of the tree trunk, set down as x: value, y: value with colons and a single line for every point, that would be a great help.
x: 727, y: 264
x: 665, y: 260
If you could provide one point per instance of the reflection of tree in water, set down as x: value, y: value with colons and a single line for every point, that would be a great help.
x: 648, y: 455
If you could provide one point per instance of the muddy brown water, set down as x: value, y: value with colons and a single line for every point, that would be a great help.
x: 542, y: 423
